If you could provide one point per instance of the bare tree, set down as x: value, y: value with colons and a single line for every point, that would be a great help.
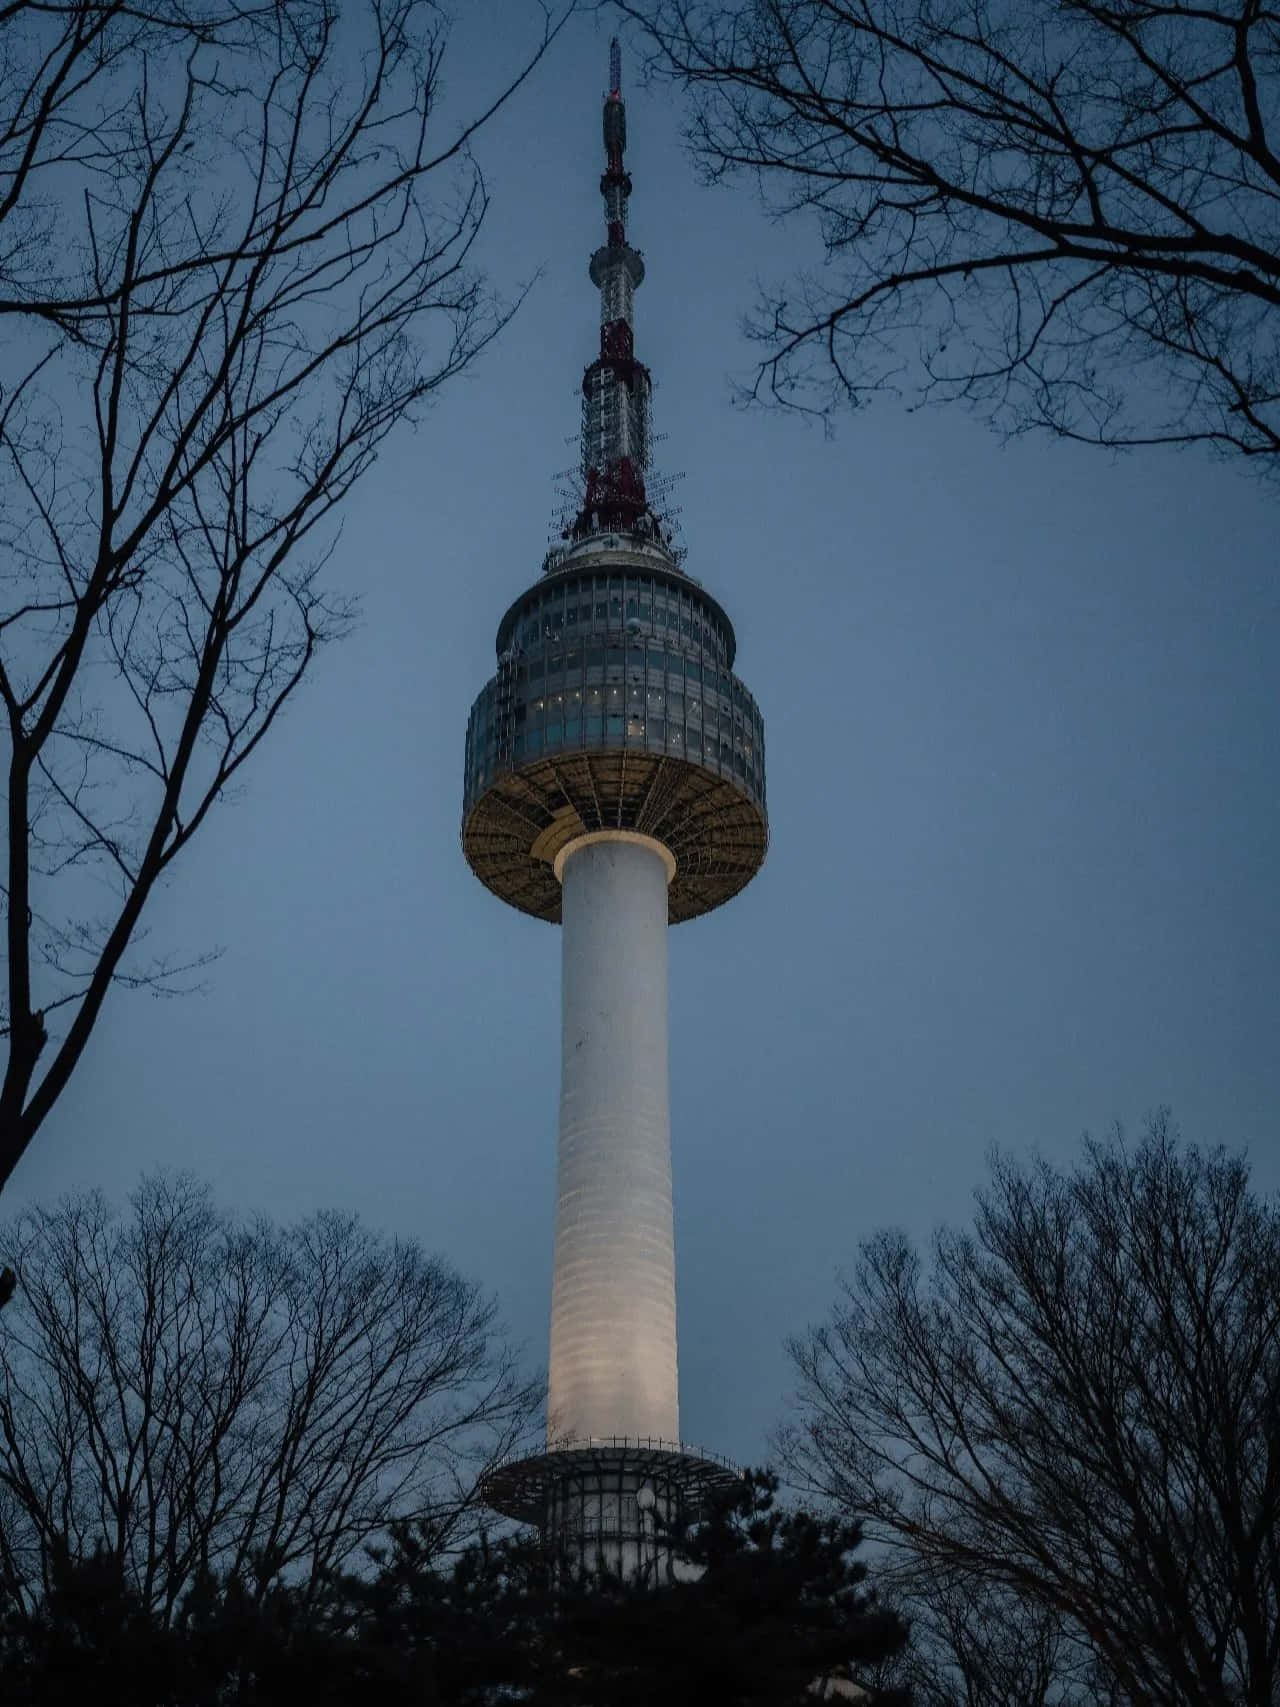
x: 1078, y: 1406
x: 1064, y: 212
x: 198, y: 1400
x: 235, y: 241
x: 974, y: 1644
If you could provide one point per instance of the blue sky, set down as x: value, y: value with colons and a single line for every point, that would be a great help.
x: 1021, y: 721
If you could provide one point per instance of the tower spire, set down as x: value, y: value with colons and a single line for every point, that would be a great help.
x: 616, y: 387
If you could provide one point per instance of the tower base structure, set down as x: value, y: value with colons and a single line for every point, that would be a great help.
x: 612, y: 1507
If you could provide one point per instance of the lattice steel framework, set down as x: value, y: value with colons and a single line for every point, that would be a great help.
x: 612, y: 1505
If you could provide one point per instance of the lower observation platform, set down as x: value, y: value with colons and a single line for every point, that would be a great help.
x: 612, y: 1503
x: 523, y: 1487
x: 714, y: 828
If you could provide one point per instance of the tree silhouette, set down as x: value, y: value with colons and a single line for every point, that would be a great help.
x: 767, y: 1603
x: 1074, y: 1411
x: 199, y: 1401
x: 1065, y: 213
x: 235, y: 252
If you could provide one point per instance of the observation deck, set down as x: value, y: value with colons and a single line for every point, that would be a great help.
x: 615, y: 707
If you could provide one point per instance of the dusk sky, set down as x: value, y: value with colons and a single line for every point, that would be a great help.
x: 1020, y: 707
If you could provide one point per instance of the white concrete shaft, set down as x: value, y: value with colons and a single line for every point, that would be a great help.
x: 613, y: 1296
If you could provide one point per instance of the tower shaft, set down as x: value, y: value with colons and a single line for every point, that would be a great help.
x: 613, y: 1304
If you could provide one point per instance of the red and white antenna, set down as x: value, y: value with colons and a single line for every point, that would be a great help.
x: 616, y: 388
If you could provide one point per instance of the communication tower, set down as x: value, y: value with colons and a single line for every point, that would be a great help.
x: 614, y: 784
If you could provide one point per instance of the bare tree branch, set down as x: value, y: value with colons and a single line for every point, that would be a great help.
x: 1076, y: 1410
x: 196, y: 1397
x: 238, y: 245
x: 1066, y: 215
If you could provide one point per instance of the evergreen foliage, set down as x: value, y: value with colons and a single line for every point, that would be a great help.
x: 768, y: 1602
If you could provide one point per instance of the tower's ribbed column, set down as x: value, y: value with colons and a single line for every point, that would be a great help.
x: 613, y: 1305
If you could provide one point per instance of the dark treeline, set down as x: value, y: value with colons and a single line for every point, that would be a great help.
x: 770, y: 1602
x: 239, y: 1465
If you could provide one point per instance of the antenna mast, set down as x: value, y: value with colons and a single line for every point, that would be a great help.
x: 616, y: 388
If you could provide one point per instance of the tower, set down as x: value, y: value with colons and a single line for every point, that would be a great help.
x: 614, y: 784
